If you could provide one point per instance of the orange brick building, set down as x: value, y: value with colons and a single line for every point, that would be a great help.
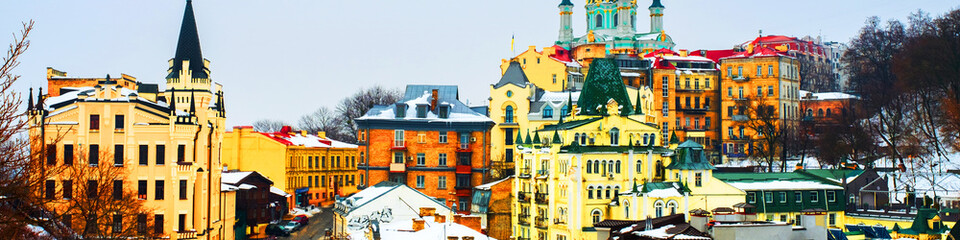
x: 429, y: 141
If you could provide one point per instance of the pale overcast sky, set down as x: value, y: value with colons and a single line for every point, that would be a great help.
x: 282, y: 59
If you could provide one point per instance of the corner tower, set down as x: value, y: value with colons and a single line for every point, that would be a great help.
x: 188, y: 74
x: 656, y: 16
x: 566, y: 22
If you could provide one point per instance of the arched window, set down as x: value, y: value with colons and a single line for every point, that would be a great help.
x: 583, y: 139
x: 626, y: 209
x: 610, y: 166
x: 616, y: 190
x: 672, y: 205
x: 599, y: 20
x: 616, y: 19
x: 820, y: 112
x: 508, y: 115
x: 614, y: 136
x: 607, y: 192
x: 596, y: 167
x: 599, y: 192
x: 547, y: 112
x: 659, y: 173
x: 618, y: 166
x: 645, y: 136
x: 828, y: 112
x: 589, y: 192
x: 603, y: 167
x: 597, y: 214
x: 809, y: 112
x: 658, y: 208
x: 589, y: 165
x: 639, y: 166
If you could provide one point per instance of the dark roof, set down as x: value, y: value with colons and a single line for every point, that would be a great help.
x: 446, y: 92
x: 689, y: 156
x: 188, y: 47
x: 920, y: 223
x: 569, y: 125
x: 603, y: 83
x: 575, y: 148
x: 626, y: 229
x: 148, y: 88
x: 565, y: 3
x: 656, y: 3
x: 514, y: 75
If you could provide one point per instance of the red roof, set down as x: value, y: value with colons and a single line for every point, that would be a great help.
x: 660, y: 51
x: 758, y: 52
x: 714, y: 55
x: 561, y: 54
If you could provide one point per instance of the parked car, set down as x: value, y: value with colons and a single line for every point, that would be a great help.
x: 276, y: 230
x: 290, y: 226
x: 302, y: 219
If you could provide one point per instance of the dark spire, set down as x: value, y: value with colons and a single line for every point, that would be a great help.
x: 602, y: 84
x: 513, y: 75
x: 536, y: 137
x: 673, y: 138
x: 30, y: 100
x: 527, y: 140
x: 40, y: 98
x: 656, y: 4
x: 556, y: 137
x: 569, y: 103
x: 638, y: 110
x: 519, y: 139
x: 188, y: 47
x: 193, y: 108
x: 173, y: 101
x: 566, y: 3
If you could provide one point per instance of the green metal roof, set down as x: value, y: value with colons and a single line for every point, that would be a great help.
x: 566, y: 3
x: 689, y: 156
x: 920, y: 223
x: 569, y: 125
x: 602, y: 84
x: 768, y: 176
x: 619, y: 149
x: 656, y: 3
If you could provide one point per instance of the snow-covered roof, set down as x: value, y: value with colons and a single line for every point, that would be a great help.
x: 245, y: 186
x: 784, y: 185
x: 278, y: 191
x: 661, y: 233
x: 307, y: 140
x: 664, y: 193
x: 487, y: 186
x: 233, y: 178
x: 826, y: 96
x: 458, y: 112
x: 228, y: 188
x: 403, y: 229
x: 370, y: 193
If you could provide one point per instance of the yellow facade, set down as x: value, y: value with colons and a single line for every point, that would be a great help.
x: 770, y: 79
x: 309, y: 169
x: 544, y: 71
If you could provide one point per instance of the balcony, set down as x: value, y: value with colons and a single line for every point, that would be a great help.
x: 689, y: 109
x: 398, y: 145
x: 464, y: 147
x: 398, y: 167
x: 741, y: 78
x: 524, y: 173
x: 557, y: 221
x: 464, y: 169
x: 543, y: 173
x: 542, y: 198
x: 463, y: 190
x: 187, y: 234
x: 523, y: 196
x: 541, y: 222
x: 509, y: 121
x: 689, y: 90
x: 740, y: 118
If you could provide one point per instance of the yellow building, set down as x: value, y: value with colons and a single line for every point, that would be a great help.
x: 550, y: 69
x: 603, y: 162
x: 312, y: 164
x: 758, y: 76
x: 167, y: 142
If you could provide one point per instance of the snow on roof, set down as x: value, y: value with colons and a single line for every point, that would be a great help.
x: 781, y: 185
x: 687, y: 58
x: 369, y: 193
x: 442, y: 230
x: 245, y: 186
x: 490, y: 184
x: 661, y: 233
x: 306, y: 140
x: 559, y: 96
x: 629, y: 74
x: 664, y: 193
x: 458, y: 112
x: 228, y: 188
x: 278, y: 191
x: 233, y: 177
x: 826, y: 95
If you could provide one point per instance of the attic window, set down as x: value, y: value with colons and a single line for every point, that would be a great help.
x: 401, y: 110
x: 421, y: 111
x: 444, y: 111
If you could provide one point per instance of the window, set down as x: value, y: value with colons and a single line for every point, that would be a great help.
x: 94, y: 155
x: 740, y: 92
x: 508, y: 115
x: 597, y: 215
x: 814, y: 197
x: 833, y: 219
x: 398, y: 138
x: 831, y: 196
x: 442, y: 182
x: 768, y: 197
x: 181, y: 153
x: 94, y: 122
x: 118, y: 155
x: 706, y: 123
x: 68, y: 154
x: 672, y: 205
x: 397, y: 157
x: 51, y: 154
x: 420, y: 181
x: 182, y: 223
x: 730, y: 91
x: 589, y: 192
x: 463, y: 181
x: 442, y: 138
x: 444, y: 111
x: 421, y: 111
x: 783, y: 218
x: 141, y: 224
x: 740, y: 71
x: 401, y: 110
x: 161, y: 154
x: 158, y: 223
x: 782, y: 197
x: 759, y: 91
x: 616, y: 20
x: 442, y: 159
x: 421, y: 159
x: 183, y: 189
x: 770, y: 70
x: 769, y: 90
x: 142, y: 189
x: 658, y: 208
x: 117, y: 223
x: 639, y: 166
x: 91, y: 188
x: 118, y: 122
x: 143, y: 152
x: 751, y: 197
x: 547, y: 112
x: 614, y: 137
x: 67, y: 189
x: 599, y: 20
x: 665, y: 87
x: 49, y: 189
x: 698, y: 179
x: 617, y: 166
x: 589, y: 166
x: 759, y: 70
x: 730, y: 71
x: 798, y: 197
x: 554, y: 76
x: 117, y: 189
x: 158, y: 190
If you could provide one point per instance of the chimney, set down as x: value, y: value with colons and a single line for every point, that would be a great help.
x: 453, y: 238
x: 427, y: 211
x: 470, y: 221
x: 303, y: 133
x: 286, y: 129
x: 417, y: 224
x: 440, y: 218
x: 322, y: 134
x: 683, y: 52
x: 433, y: 101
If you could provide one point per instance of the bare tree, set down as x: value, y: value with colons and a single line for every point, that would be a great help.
x: 357, y: 105
x: 758, y: 116
x: 323, y: 119
x: 267, y: 125
x: 816, y: 75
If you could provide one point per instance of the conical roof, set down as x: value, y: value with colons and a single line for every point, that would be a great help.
x: 514, y: 75
x: 603, y: 83
x: 188, y: 47
x: 656, y: 4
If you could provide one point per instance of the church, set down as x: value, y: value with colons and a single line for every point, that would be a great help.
x: 613, y: 23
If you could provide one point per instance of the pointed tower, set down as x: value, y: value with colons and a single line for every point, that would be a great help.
x: 566, y: 22
x: 188, y: 70
x: 656, y: 16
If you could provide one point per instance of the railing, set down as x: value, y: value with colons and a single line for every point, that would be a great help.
x: 740, y: 118
x: 694, y: 109
x: 509, y: 120
x: 541, y: 198
x: 523, y: 196
x: 741, y: 78
x: 398, y: 145
x: 398, y: 167
x: 464, y: 147
x: 543, y: 172
x: 191, y: 234
x: 524, y: 173
x: 541, y: 222
x: 559, y: 221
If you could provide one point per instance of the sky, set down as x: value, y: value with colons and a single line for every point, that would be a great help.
x: 283, y: 59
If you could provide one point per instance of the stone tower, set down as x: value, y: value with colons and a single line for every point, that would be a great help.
x: 626, y: 17
x: 656, y: 16
x: 566, y: 22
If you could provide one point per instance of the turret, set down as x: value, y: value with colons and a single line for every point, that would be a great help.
x: 626, y: 17
x: 566, y: 22
x: 656, y: 16
x: 188, y: 70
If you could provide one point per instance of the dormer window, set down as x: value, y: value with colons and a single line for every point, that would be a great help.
x: 401, y: 110
x: 421, y: 111
x: 444, y: 111
x: 547, y: 112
